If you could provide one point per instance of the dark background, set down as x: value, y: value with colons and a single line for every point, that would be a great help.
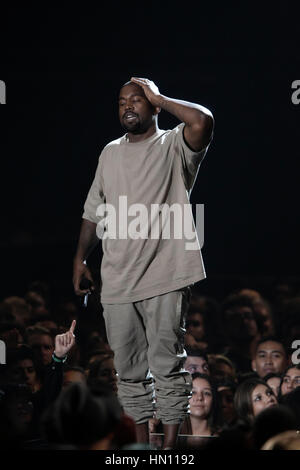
x: 63, y: 68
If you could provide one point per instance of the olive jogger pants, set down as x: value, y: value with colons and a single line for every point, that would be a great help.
x: 147, y: 338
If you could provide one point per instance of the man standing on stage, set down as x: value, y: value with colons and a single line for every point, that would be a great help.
x: 145, y: 273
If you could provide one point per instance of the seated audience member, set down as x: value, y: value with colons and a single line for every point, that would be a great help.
x: 196, y: 361
x: 73, y: 375
x: 226, y: 389
x: 95, y: 355
x: 37, y: 298
x: 102, y: 371
x: 270, y: 422
x: 42, y: 341
x: 241, y: 331
x: 11, y: 334
x: 221, y: 367
x: 263, y: 311
x: 16, y: 411
x: 292, y: 401
x: 202, y: 324
x: 270, y: 357
x: 19, y: 310
x: 290, y: 379
x: 273, y: 380
x: 195, y: 336
x: 49, y: 324
x: 204, y: 414
x: 25, y: 368
x: 83, y: 419
x: 288, y: 440
x: 251, y: 397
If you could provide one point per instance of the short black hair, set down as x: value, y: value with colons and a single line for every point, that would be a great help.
x: 196, y: 353
x: 275, y: 339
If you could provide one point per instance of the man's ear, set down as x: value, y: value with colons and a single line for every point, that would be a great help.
x: 253, y: 365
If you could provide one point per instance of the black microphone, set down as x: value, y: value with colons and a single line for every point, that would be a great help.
x: 85, y: 284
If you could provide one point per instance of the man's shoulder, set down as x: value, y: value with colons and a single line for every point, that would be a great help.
x: 114, y: 143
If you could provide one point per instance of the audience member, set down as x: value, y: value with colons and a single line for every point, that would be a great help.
x: 42, y: 341
x: 273, y: 380
x: 204, y: 415
x: 83, y: 419
x: 270, y: 357
x: 270, y: 422
x: 226, y: 389
x: 241, y: 331
x: 73, y: 375
x: 290, y: 379
x: 251, y: 397
x: 196, y: 361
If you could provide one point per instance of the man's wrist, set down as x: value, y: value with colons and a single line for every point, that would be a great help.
x: 57, y: 358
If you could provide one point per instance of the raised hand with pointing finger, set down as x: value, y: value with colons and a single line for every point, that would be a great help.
x: 65, y: 341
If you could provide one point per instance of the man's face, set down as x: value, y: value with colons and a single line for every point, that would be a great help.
x: 44, y: 345
x: 196, y: 364
x: 242, y: 323
x: 195, y: 326
x: 136, y: 113
x: 73, y: 376
x: 29, y: 373
x: 270, y: 357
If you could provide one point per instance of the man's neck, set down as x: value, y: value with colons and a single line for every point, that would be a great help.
x: 140, y: 137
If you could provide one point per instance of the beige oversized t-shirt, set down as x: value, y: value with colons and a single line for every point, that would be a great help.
x: 146, y: 185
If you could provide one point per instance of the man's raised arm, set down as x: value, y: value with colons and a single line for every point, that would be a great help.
x: 199, y: 121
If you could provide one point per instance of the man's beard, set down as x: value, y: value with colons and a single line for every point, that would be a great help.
x: 134, y: 129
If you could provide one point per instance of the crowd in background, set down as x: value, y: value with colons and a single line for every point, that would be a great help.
x: 241, y: 353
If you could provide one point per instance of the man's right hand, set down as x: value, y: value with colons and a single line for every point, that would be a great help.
x: 80, y: 271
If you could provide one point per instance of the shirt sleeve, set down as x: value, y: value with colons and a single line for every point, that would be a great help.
x: 95, y: 195
x: 190, y: 160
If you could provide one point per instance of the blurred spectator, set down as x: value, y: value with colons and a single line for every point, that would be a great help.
x: 19, y: 310
x: 203, y: 324
x: 38, y: 299
x: 12, y: 334
x: 263, y: 311
x: 292, y: 401
x: 273, y: 380
x: 226, y: 390
x: 241, y: 331
x: 196, y: 361
x: 16, y: 411
x: 290, y: 379
x: 251, y: 397
x: 270, y: 422
x: 270, y: 357
x: 221, y: 367
x: 82, y: 419
x: 49, y: 324
x: 42, y: 341
x: 25, y: 368
x: 73, y: 375
x: 102, y: 371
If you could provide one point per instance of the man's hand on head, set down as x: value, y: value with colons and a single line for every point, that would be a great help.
x: 150, y: 89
